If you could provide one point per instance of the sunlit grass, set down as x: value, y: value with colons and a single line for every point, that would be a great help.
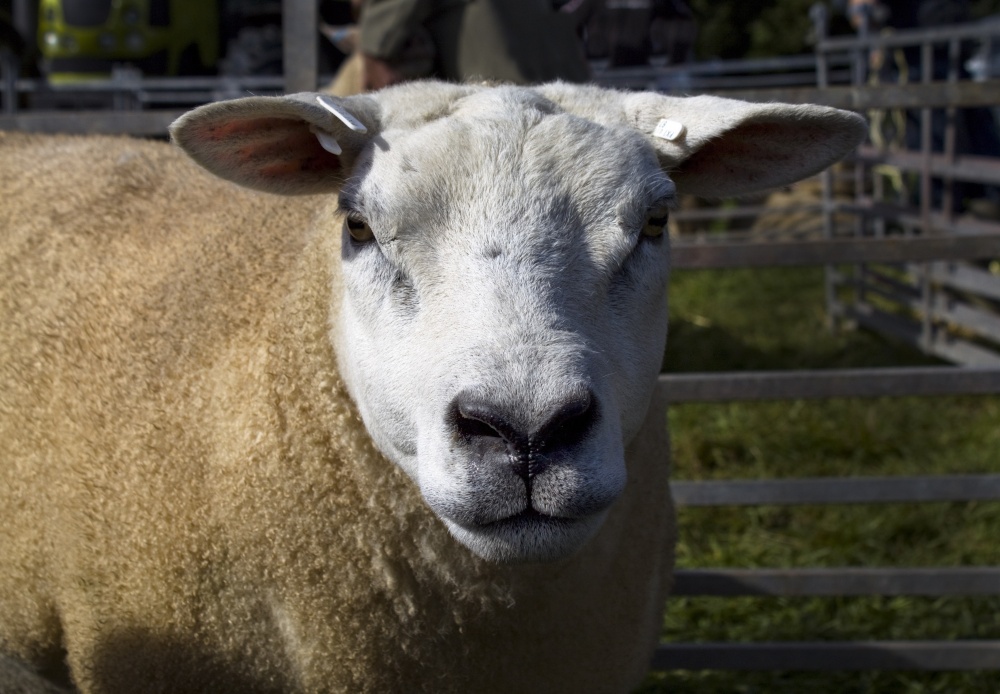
x: 775, y: 319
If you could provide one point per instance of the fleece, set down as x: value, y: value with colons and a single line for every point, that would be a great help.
x: 189, y: 501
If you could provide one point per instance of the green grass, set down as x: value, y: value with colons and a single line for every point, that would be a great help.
x: 775, y: 319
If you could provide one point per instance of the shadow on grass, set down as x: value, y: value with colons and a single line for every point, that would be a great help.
x: 766, y: 320
x: 696, y: 347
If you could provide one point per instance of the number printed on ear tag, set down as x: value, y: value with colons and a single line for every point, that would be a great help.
x: 668, y: 129
x: 341, y: 113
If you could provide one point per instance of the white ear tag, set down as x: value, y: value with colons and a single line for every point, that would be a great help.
x: 668, y: 129
x: 327, y: 142
x: 344, y: 117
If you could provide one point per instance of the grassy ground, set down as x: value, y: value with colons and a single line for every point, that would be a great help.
x: 774, y: 319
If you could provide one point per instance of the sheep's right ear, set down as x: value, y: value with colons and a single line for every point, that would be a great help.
x: 298, y: 144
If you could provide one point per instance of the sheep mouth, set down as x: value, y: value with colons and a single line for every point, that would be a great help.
x: 526, y: 537
x: 525, y: 520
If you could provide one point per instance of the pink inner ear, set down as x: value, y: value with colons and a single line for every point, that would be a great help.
x: 219, y: 130
x: 269, y: 151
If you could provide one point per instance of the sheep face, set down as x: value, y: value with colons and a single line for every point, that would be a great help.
x: 504, y: 268
x: 504, y: 315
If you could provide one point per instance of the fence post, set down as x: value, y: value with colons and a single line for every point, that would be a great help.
x: 300, y: 38
x: 818, y: 13
x: 9, y: 68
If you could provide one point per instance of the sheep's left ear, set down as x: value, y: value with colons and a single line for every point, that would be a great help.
x: 297, y: 144
x: 719, y: 147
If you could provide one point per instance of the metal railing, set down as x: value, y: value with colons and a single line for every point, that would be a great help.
x: 908, y: 184
x: 913, y: 269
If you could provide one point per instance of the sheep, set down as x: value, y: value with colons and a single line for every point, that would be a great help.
x: 394, y: 429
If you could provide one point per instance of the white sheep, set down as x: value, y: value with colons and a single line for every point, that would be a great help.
x: 395, y: 440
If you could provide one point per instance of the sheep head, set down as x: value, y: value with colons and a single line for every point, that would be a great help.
x: 505, y: 267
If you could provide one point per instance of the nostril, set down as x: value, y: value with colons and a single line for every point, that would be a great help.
x: 474, y: 417
x: 569, y: 424
x: 469, y: 428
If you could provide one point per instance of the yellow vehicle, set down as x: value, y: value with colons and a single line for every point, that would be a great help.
x: 82, y: 39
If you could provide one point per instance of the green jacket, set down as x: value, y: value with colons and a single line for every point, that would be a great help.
x: 518, y: 41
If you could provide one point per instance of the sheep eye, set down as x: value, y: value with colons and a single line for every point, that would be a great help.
x: 358, y: 228
x: 656, y: 223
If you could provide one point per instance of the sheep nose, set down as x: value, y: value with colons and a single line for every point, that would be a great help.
x: 490, y: 427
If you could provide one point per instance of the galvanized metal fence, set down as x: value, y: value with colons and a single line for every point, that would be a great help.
x: 914, y: 267
x: 905, y: 262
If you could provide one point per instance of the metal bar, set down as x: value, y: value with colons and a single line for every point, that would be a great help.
x: 942, y: 344
x: 966, y: 167
x: 686, y: 84
x: 786, y: 80
x: 976, y: 168
x: 300, y: 35
x: 718, y: 67
x: 24, y: 17
x: 829, y: 277
x: 967, y: 278
x: 909, y: 218
x: 951, y: 312
x: 856, y: 97
x: 833, y: 251
x: 830, y: 656
x: 819, y: 14
x: 9, y: 66
x: 92, y: 122
x: 926, y: 198
x: 828, y: 383
x: 882, y: 96
x: 908, y: 37
x: 891, y: 288
x: 740, y: 211
x: 950, y: 134
x: 838, y: 490
x: 965, y: 316
x: 789, y: 70
x: 959, y: 351
x: 931, y: 582
x: 820, y: 17
x: 205, y: 85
